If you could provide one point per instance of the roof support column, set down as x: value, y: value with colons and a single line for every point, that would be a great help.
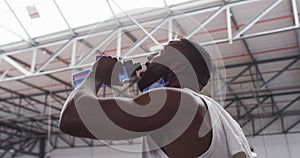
x: 42, y: 147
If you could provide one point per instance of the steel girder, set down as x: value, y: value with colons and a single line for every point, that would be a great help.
x: 109, y: 34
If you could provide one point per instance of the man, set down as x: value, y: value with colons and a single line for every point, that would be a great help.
x: 174, y: 120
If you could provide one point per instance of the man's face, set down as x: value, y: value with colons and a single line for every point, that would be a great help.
x: 172, y: 65
x: 154, y: 69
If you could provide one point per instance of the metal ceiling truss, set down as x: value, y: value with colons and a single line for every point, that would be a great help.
x: 256, y: 77
x: 110, y: 34
x: 262, y: 94
x: 28, y: 134
x: 35, y: 128
x: 16, y: 141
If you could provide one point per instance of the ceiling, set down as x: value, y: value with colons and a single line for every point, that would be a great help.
x: 255, y: 44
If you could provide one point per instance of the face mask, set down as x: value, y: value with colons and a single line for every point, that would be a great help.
x: 157, y: 84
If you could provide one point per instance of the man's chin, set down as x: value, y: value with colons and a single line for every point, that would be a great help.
x: 142, y: 84
x: 146, y: 82
x: 153, y: 73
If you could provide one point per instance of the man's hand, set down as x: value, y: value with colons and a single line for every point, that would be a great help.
x: 107, y: 69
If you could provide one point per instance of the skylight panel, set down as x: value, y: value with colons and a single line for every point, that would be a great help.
x: 79, y: 13
x: 10, y: 30
x: 128, y: 5
x: 175, y: 2
x: 48, y: 21
x: 7, y: 36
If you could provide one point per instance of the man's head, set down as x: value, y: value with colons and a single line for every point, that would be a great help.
x: 183, y: 63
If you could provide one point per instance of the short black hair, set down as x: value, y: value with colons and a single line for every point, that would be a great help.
x: 197, y: 56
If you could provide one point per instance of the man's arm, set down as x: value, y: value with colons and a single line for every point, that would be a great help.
x: 85, y: 115
x: 136, y: 117
x: 70, y: 122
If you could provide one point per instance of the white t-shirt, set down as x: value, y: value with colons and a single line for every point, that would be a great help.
x: 221, y: 136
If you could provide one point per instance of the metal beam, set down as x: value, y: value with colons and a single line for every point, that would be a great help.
x: 20, y: 23
x: 253, y: 108
x: 64, y: 18
x: 237, y: 76
x: 228, y: 22
x: 236, y: 97
x: 20, y: 106
x: 291, y: 127
x: 54, y: 56
x: 265, y: 95
x: 172, y: 16
x: 253, y: 35
x: 19, y: 147
x: 15, y: 65
x: 28, y: 65
x: 170, y: 30
x: 119, y: 44
x: 113, y: 13
x: 295, y: 12
x: 58, y: 57
x: 259, y: 117
x: 206, y: 21
x: 137, y: 24
x: 254, y: 61
x: 176, y: 23
x: 279, y: 73
x: 231, y: 102
x: 256, y: 19
x: 133, y: 39
x: 296, y: 21
x: 14, y: 33
x: 100, y: 44
x: 263, y: 61
x: 29, y: 97
x: 38, y: 94
x: 279, y: 113
x: 88, y: 45
x: 266, y: 116
x: 35, y: 132
x: 141, y: 40
x: 42, y: 147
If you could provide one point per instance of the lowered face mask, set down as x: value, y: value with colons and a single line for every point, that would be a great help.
x: 157, y: 84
